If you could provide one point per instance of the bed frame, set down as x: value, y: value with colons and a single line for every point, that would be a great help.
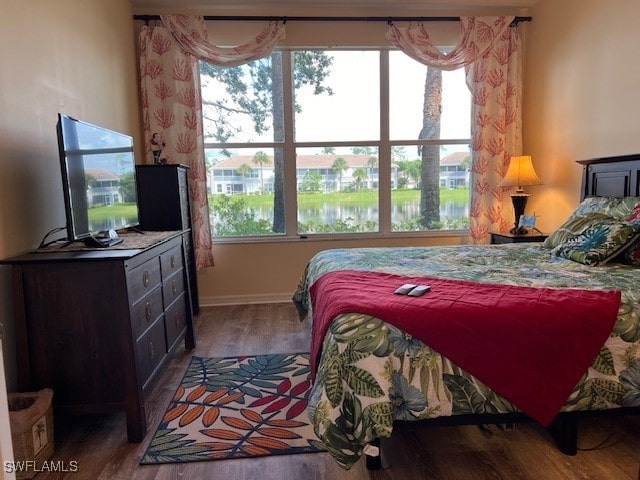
x: 605, y: 177
x: 611, y: 176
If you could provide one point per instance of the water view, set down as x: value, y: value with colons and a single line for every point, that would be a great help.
x: 326, y: 213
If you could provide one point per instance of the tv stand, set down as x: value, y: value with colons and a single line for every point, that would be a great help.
x: 99, y: 242
x: 135, y: 229
x: 99, y: 325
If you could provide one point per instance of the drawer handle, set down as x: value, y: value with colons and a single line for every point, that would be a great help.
x: 146, y: 278
x: 174, y: 287
x: 152, y: 350
x: 147, y: 311
x: 173, y: 261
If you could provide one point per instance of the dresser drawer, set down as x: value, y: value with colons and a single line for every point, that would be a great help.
x: 150, y: 350
x: 173, y: 287
x: 175, y: 320
x: 171, y: 261
x: 143, y: 279
x: 146, y: 311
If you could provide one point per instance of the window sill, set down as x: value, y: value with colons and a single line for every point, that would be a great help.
x: 339, y: 238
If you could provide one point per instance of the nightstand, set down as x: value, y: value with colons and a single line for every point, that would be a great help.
x: 500, y: 238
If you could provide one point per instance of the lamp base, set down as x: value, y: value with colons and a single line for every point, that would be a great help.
x: 519, y: 200
x: 519, y: 231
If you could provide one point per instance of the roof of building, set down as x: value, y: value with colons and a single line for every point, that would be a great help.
x: 303, y: 161
x: 324, y: 161
x: 455, y: 158
x: 101, y: 174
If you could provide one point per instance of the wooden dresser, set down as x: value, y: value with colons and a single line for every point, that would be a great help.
x: 98, y: 325
x: 163, y: 204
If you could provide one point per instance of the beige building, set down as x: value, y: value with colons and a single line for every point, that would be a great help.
x: 241, y: 174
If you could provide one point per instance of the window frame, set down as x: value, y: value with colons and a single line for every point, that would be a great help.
x: 384, y: 145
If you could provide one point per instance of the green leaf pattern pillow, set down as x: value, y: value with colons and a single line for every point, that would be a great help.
x: 575, y: 225
x: 617, y: 207
x: 632, y: 254
x: 584, y: 227
x: 602, y: 240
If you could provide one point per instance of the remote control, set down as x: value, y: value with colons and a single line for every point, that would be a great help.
x: 404, y: 289
x: 419, y: 290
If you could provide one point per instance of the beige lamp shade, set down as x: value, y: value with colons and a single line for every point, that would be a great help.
x: 520, y: 173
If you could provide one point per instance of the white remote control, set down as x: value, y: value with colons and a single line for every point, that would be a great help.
x: 404, y: 289
x: 419, y: 290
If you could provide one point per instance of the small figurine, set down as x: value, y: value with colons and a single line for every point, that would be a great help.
x: 157, y: 144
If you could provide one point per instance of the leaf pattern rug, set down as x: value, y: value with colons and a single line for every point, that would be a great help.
x: 235, y: 407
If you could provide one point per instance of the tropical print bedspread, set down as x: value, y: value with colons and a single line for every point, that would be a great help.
x: 371, y: 373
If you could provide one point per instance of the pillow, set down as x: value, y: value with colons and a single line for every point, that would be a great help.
x: 602, y: 240
x: 635, y: 214
x: 632, y: 254
x: 575, y: 225
x: 617, y: 207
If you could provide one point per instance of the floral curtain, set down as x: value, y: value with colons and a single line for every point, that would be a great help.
x: 172, y: 120
x: 190, y: 32
x: 496, y: 133
x: 490, y: 51
x: 171, y: 103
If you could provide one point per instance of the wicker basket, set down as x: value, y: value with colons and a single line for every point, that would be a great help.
x: 31, y: 420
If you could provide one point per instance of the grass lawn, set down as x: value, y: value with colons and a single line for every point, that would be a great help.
x: 124, y: 210
x: 362, y: 197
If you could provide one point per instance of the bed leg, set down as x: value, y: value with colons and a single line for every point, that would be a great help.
x: 372, y: 452
x: 564, y: 430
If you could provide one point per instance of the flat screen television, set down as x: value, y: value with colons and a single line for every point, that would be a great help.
x: 98, y: 177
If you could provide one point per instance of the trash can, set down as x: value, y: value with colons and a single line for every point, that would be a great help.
x: 31, y: 421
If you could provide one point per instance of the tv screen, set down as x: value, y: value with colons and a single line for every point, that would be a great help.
x: 98, y: 176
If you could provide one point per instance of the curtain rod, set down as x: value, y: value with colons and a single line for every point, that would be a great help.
x: 250, y: 18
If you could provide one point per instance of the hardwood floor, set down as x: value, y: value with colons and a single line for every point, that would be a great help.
x: 98, y: 444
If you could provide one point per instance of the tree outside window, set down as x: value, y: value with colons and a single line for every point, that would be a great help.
x: 334, y: 141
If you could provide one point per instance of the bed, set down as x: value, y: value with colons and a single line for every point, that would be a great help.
x: 371, y: 369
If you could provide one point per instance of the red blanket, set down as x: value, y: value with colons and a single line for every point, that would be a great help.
x: 530, y: 345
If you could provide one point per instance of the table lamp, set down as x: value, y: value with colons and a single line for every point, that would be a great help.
x: 519, y: 174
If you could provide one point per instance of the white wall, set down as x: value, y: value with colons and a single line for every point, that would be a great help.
x: 72, y: 56
x: 581, y: 94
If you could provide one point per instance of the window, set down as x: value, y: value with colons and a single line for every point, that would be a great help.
x: 300, y: 143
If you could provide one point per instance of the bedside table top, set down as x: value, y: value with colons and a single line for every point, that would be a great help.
x: 507, y: 237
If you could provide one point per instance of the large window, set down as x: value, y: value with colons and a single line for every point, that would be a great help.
x: 336, y: 142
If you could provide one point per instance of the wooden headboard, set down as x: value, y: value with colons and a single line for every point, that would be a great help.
x: 611, y: 177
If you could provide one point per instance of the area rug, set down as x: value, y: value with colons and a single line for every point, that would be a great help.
x: 236, y: 407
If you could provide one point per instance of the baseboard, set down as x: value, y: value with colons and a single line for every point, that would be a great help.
x: 245, y: 299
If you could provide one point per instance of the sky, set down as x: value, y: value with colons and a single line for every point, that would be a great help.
x: 355, y: 103
x: 355, y: 81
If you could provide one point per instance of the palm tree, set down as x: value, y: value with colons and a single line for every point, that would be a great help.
x: 261, y: 158
x: 413, y: 170
x: 403, y: 169
x: 40, y: 428
x: 312, y: 181
x: 244, y: 170
x: 372, y: 163
x: 430, y: 154
x: 339, y: 166
x: 359, y: 175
